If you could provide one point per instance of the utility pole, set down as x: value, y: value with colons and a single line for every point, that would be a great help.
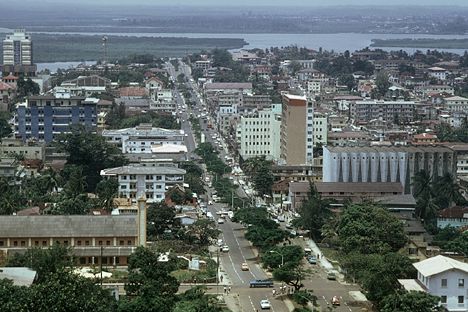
x: 101, y: 263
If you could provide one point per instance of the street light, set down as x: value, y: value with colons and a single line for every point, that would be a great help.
x: 279, y: 253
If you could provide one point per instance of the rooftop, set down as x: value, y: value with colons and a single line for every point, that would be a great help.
x: 20, y: 276
x: 67, y: 226
x: 439, y: 264
x: 139, y: 169
x: 456, y: 212
x: 228, y: 85
x: 358, y: 187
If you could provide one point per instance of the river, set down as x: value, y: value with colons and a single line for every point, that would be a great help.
x: 338, y: 42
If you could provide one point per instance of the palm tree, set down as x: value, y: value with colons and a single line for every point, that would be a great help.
x: 447, y: 190
x: 422, y: 185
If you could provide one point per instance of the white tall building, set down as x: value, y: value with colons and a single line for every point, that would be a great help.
x: 443, y: 277
x: 259, y: 134
x: 320, y: 131
x: 17, y: 49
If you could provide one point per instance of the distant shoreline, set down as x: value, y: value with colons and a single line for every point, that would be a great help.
x: 423, y: 43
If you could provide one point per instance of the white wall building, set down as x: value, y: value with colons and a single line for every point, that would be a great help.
x: 142, y: 138
x: 17, y: 48
x: 148, y: 180
x: 456, y: 104
x: 320, y: 131
x: 443, y: 277
x: 259, y: 134
x: 438, y: 73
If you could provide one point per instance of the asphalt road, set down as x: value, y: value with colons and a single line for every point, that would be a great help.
x: 240, y: 250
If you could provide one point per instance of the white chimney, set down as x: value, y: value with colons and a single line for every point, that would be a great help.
x: 141, y: 222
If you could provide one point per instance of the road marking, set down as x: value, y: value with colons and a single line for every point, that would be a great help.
x: 251, y: 302
x: 234, y: 267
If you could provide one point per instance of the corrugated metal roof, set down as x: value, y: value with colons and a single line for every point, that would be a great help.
x: 67, y: 226
x: 439, y: 264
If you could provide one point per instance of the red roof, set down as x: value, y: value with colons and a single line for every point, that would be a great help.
x: 5, y: 86
x: 425, y: 136
x: 10, y: 77
x: 457, y: 212
x: 133, y: 91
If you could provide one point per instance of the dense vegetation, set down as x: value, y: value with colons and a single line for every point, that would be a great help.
x: 423, y: 43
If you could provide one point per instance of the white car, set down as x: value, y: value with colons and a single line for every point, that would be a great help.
x: 265, y: 304
x: 220, y: 221
x: 225, y: 248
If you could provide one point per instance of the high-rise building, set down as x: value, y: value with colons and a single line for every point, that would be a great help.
x: 18, y: 54
x: 259, y: 134
x: 297, y: 130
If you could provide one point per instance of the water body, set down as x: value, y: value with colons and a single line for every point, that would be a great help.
x: 337, y: 42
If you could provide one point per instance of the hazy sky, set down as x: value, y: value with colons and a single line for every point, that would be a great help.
x: 261, y: 2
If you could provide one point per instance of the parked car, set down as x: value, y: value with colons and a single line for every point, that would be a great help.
x: 245, y: 266
x: 225, y: 248
x: 312, y: 259
x: 335, y: 301
x: 265, y: 304
x: 331, y: 276
x: 220, y: 221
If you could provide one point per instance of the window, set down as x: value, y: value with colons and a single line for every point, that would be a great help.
x: 129, y: 242
x: 108, y: 243
x: 87, y: 243
x: 44, y: 243
x: 100, y: 243
x: 121, y: 243
x: 461, y: 282
x: 443, y: 299
x: 443, y: 282
x: 79, y: 243
x: 461, y: 299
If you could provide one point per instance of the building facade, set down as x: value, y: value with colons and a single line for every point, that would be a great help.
x: 259, y: 134
x: 390, y: 111
x: 18, y: 54
x: 43, y: 117
x: 443, y: 277
x: 456, y: 104
x: 145, y: 180
x: 296, y: 134
x: 386, y: 164
x: 142, y: 138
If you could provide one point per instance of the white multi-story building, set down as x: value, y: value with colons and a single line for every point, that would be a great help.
x: 365, y: 111
x: 162, y: 100
x: 443, y: 277
x: 147, y: 180
x: 259, y: 134
x: 17, y: 49
x: 314, y: 86
x: 456, y: 104
x: 438, y: 73
x: 142, y: 138
x: 320, y: 123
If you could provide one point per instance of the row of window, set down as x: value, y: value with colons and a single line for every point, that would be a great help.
x: 444, y: 283
x: 461, y: 299
x: 45, y: 243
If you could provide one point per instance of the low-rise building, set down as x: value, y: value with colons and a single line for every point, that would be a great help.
x: 142, y: 138
x: 456, y: 104
x: 149, y: 181
x: 442, y: 277
x: 93, y: 240
x: 453, y: 216
x: 390, y: 111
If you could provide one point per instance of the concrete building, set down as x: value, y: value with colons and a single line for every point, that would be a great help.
x: 348, y: 138
x: 456, y: 104
x: 320, y: 123
x: 442, y: 277
x: 162, y: 101
x: 386, y: 164
x: 438, y: 73
x: 142, y: 138
x: 43, y: 117
x: 259, y: 134
x: 453, y: 216
x: 18, y: 54
x: 298, y: 191
x: 390, y: 111
x: 27, y: 150
x: 92, y: 239
x: 145, y: 180
x: 296, y: 130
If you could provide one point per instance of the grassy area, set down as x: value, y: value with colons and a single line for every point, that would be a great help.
x: 63, y: 48
x: 424, y: 43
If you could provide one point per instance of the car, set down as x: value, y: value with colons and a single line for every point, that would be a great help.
x: 220, y: 221
x: 288, y: 226
x: 281, y: 219
x: 225, y: 248
x: 244, y: 266
x: 331, y: 276
x: 220, y: 242
x: 312, y: 259
x: 210, y: 202
x: 335, y: 301
x: 261, y: 283
x: 265, y: 304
